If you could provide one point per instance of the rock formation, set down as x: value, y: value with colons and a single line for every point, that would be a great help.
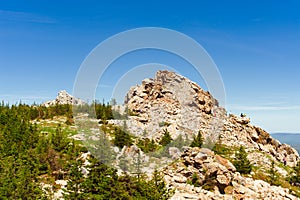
x: 218, y: 179
x: 173, y: 102
x: 63, y: 98
x: 170, y: 101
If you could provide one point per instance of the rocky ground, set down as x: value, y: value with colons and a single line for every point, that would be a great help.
x: 174, y: 103
x: 217, y: 178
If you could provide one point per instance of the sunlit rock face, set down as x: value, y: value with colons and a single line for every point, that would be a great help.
x: 63, y: 98
x: 173, y: 102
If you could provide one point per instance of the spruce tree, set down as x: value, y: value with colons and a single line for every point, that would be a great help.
x: 102, y: 182
x: 59, y: 140
x: 295, y: 175
x: 166, y: 139
x: 122, y: 138
x: 195, y: 180
x: 197, y: 141
x: 273, y: 175
x: 154, y: 189
x: 75, y: 181
x: 241, y: 162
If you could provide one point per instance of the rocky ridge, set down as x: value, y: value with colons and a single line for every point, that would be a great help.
x: 173, y: 102
x: 170, y: 101
x: 63, y: 98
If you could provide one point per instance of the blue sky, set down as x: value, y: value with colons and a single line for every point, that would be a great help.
x: 255, y: 45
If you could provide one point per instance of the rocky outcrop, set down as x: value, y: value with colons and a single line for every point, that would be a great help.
x: 216, y: 178
x: 63, y: 98
x: 173, y: 102
x: 170, y: 101
x: 236, y: 132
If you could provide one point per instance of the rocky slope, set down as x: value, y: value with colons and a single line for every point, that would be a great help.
x: 173, y: 102
x: 63, y: 98
x: 218, y: 179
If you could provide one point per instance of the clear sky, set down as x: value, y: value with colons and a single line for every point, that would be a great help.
x: 255, y: 44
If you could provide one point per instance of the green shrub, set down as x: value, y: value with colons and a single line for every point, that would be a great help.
x: 198, y: 140
x: 166, y: 139
x: 195, y: 180
x: 147, y: 145
x: 241, y: 162
x: 122, y: 138
x: 162, y: 124
x: 273, y: 175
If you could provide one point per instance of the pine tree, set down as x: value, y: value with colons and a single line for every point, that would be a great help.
x: 123, y: 163
x: 166, y: 139
x: 122, y: 138
x: 295, y: 175
x: 138, y: 165
x: 158, y: 189
x: 101, y: 148
x: 102, y: 182
x: 18, y: 160
x: 179, y: 142
x: 198, y: 140
x: 59, y: 140
x: 273, y: 175
x: 241, y: 162
x: 75, y: 181
x: 147, y: 145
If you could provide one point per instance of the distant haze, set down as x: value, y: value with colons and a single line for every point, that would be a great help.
x: 292, y: 139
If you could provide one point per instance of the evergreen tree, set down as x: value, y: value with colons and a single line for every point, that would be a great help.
x: 75, y: 181
x: 273, y: 175
x: 166, y: 139
x: 102, y: 182
x: 158, y: 189
x: 138, y: 165
x: 122, y: 138
x: 123, y: 163
x: 195, y: 180
x: 198, y: 140
x: 113, y: 102
x: 241, y: 161
x: 179, y: 142
x: 18, y: 160
x: 147, y: 145
x: 59, y: 139
x: 29, y: 157
x: 295, y: 175
x: 101, y: 148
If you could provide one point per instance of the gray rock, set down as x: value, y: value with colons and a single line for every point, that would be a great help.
x: 63, y: 98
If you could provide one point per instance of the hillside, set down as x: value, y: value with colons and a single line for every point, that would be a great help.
x: 292, y: 139
x: 163, y: 115
x: 170, y: 140
x: 171, y: 102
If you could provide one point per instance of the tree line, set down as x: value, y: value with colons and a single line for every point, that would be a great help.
x: 30, y: 159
